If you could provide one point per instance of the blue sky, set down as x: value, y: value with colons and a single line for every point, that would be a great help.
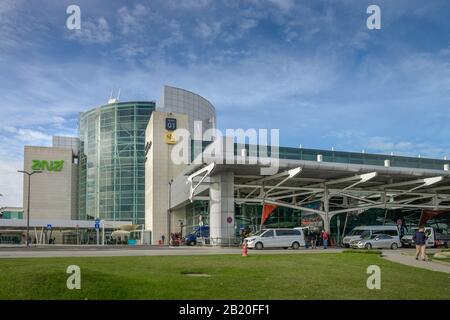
x: 310, y: 68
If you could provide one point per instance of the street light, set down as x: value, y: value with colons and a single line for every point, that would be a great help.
x: 29, y: 174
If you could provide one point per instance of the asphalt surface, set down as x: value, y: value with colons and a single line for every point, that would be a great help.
x: 123, y: 251
x: 403, y: 256
x: 408, y: 258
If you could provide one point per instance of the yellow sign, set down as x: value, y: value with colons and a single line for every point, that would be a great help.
x: 170, y: 138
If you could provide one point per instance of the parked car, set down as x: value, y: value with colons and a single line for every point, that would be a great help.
x: 359, y: 233
x: 276, y: 238
x: 436, y: 237
x: 379, y: 241
x: 199, y: 234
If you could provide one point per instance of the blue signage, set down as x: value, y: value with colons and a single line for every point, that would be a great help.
x: 171, y: 124
x: 97, y: 224
x: 49, y: 226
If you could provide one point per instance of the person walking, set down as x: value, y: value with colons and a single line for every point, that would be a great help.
x: 312, y: 239
x: 306, y: 237
x: 324, y: 237
x: 420, y: 238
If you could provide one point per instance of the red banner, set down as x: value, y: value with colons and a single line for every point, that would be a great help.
x: 267, y: 210
x: 429, y: 214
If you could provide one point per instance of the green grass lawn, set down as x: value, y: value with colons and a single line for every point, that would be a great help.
x: 447, y: 260
x: 290, y: 276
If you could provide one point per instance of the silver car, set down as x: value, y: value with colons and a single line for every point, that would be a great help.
x: 379, y: 241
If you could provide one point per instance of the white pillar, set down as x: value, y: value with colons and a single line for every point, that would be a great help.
x: 221, y: 208
x: 103, y: 232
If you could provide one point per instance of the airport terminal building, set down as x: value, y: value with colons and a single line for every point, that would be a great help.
x: 120, y: 172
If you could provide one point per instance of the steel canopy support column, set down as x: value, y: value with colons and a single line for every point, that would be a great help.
x: 326, y: 207
x: 221, y: 208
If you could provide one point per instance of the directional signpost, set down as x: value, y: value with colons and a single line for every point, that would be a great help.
x: 49, y: 239
x: 229, y: 220
x: 97, y: 228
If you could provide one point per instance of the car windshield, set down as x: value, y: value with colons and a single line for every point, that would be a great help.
x: 411, y: 231
x: 258, y: 233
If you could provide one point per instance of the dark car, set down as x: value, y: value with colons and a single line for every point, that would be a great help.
x: 199, y: 232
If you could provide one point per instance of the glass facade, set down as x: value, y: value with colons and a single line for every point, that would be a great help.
x: 111, y: 165
x: 9, y: 214
x: 339, y: 157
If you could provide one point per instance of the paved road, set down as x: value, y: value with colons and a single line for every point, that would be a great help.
x: 69, y: 251
x: 408, y: 258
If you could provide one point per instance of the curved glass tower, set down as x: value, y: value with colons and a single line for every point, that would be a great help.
x: 111, y: 178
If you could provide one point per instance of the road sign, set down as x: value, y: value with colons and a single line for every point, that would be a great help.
x: 229, y: 219
x: 171, y: 124
x: 97, y: 224
x: 49, y: 226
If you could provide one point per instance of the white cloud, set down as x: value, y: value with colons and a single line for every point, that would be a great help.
x: 360, y: 40
x: 134, y: 20
x: 406, y: 148
x: 28, y: 135
x: 208, y: 31
x: 283, y: 4
x: 188, y: 4
x: 11, y: 182
x: 92, y: 32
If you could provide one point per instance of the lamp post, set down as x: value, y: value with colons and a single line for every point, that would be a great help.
x: 29, y: 174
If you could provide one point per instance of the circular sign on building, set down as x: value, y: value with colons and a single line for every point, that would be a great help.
x: 229, y: 219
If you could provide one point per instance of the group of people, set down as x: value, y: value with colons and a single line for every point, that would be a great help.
x: 245, y: 233
x: 312, y: 237
x: 175, y: 239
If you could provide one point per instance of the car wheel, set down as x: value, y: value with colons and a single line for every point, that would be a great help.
x: 259, y: 246
x: 368, y: 246
x: 394, y: 246
x: 192, y: 243
x: 295, y: 245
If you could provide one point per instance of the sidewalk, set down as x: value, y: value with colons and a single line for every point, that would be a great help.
x: 410, y: 260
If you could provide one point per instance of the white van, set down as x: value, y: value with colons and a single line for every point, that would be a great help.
x: 276, y: 238
x: 359, y: 233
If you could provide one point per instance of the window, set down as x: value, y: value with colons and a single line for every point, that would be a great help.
x: 388, y: 232
x: 287, y: 233
x: 268, y: 234
x: 358, y: 232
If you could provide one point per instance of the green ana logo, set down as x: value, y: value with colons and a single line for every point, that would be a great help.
x: 47, y: 165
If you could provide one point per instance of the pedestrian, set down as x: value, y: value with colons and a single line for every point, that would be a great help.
x: 324, y: 237
x: 163, y: 238
x: 306, y: 236
x: 312, y: 239
x: 420, y: 238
